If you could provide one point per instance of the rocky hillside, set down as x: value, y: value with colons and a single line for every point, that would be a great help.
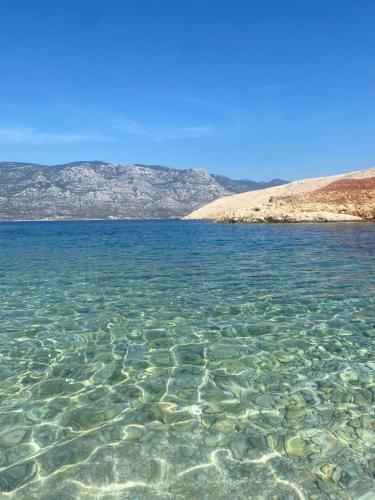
x: 347, y: 197
x: 354, y: 196
x: 104, y: 190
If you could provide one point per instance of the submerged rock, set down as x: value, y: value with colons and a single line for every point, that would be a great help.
x: 13, y: 437
x: 329, y: 472
x: 297, y: 446
x: 239, y: 446
x: 325, y: 441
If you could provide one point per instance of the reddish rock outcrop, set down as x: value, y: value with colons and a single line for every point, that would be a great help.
x: 350, y: 196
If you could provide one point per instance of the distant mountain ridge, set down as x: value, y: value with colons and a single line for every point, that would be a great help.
x: 243, y: 185
x: 98, y: 189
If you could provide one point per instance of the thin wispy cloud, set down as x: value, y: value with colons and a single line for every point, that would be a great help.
x: 29, y: 135
x: 226, y: 121
x: 232, y: 119
x: 213, y: 119
x: 159, y: 133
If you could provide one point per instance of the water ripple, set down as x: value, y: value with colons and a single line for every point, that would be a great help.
x: 187, y: 360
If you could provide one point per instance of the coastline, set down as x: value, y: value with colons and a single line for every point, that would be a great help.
x: 88, y: 219
x: 224, y: 221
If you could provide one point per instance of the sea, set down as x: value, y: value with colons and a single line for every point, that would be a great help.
x: 187, y: 360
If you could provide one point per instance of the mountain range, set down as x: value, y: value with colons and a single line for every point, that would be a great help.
x: 97, y: 189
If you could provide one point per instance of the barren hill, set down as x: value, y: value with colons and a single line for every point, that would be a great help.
x: 346, y: 197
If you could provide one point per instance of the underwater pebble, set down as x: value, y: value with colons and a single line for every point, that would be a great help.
x: 329, y: 472
x: 349, y: 376
x: 224, y: 426
x: 186, y: 451
x: 12, y: 437
x: 326, y: 442
x: 256, y: 440
x: 211, y: 439
x: 296, y: 446
x: 238, y: 447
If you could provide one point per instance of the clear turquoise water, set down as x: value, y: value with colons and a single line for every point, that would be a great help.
x: 186, y: 360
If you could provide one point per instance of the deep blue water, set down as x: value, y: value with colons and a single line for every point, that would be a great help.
x: 170, y: 359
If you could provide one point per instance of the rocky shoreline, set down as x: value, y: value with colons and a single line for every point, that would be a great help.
x: 302, y: 217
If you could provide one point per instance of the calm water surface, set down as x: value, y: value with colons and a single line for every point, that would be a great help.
x: 187, y: 360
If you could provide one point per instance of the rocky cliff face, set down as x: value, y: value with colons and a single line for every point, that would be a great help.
x: 104, y: 190
x: 348, y: 197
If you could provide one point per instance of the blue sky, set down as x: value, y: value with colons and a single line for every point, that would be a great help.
x: 256, y: 89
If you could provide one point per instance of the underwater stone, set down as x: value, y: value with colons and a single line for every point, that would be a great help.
x: 88, y: 418
x: 189, y: 394
x: 52, y: 387
x: 360, y: 488
x: 223, y: 351
x: 67, y: 453
x: 296, y: 446
x: 328, y: 490
x: 128, y: 392
x: 160, y: 411
x: 367, y: 422
x: 212, y: 439
x: 156, y: 468
x: 285, y: 358
x: 366, y: 436
x: 17, y: 475
x: 134, y: 432
x: 20, y: 452
x: 219, y: 401
x: 190, y: 354
x: 273, y: 441
x: 12, y: 437
x: 345, y: 435
x: 161, y: 358
x: 186, y: 451
x: 329, y: 472
x: 326, y: 442
x: 36, y: 413
x: 295, y: 414
x: 369, y: 365
x: 256, y: 440
x: 265, y: 400
x: 297, y: 344
x: 349, y: 376
x: 224, y: 426
x: 326, y: 387
x: 179, y: 418
x: 238, y: 446
x: 362, y: 399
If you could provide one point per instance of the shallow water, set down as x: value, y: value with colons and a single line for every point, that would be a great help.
x: 187, y: 360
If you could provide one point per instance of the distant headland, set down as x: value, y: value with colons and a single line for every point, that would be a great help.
x: 347, y: 198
